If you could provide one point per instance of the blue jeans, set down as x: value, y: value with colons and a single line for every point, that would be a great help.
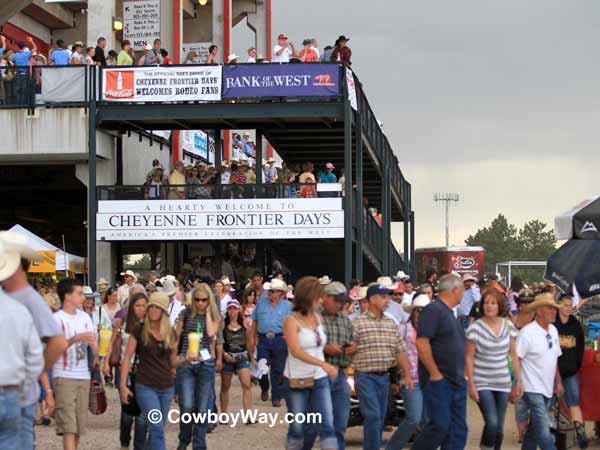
x: 197, y: 382
x: 274, y: 350
x: 150, y: 398
x: 303, y: 401
x: 413, y: 405
x: 10, y: 420
x: 538, y: 433
x: 27, y: 434
x: 447, y: 409
x: 340, y: 400
x: 492, y: 405
x: 140, y: 431
x: 372, y: 391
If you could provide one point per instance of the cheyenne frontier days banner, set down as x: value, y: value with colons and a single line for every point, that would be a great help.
x: 162, y: 84
x: 146, y: 220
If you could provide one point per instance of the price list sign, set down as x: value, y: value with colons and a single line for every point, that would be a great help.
x: 141, y: 22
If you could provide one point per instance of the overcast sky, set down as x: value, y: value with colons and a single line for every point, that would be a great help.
x: 496, y: 100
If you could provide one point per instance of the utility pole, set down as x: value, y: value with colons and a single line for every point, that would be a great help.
x: 446, y: 199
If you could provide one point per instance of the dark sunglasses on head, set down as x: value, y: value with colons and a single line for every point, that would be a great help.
x: 201, y: 299
x: 549, y: 339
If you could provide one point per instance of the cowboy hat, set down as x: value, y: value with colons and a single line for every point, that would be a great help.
x: 420, y: 301
x: 400, y: 275
x: 14, y: 242
x: 325, y: 280
x: 469, y: 277
x: 541, y: 300
x: 226, y: 281
x: 385, y: 281
x: 278, y: 285
x: 168, y: 287
x: 130, y: 273
x: 9, y: 263
x: 160, y: 300
x: 87, y: 291
x: 270, y: 160
x: 232, y: 57
x: 360, y: 294
x: 102, y: 282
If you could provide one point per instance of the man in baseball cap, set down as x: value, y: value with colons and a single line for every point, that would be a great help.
x: 284, y: 50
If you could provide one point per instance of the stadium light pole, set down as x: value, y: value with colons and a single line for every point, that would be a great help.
x: 446, y: 199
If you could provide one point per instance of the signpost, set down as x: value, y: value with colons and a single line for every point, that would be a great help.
x: 141, y: 22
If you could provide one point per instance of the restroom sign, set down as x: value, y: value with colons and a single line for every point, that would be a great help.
x: 141, y: 22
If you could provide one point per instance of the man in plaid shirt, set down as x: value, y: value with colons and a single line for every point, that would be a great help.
x: 379, y: 347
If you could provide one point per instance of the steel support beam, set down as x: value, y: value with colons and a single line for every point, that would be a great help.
x: 413, y: 267
x: 91, y: 206
x: 348, y: 189
x: 359, y: 216
x: 218, y: 159
x: 385, y: 213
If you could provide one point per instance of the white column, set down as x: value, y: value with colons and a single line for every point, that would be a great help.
x: 100, y: 14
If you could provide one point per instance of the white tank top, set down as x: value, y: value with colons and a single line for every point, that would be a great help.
x: 307, y: 337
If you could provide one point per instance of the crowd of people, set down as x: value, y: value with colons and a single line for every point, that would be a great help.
x: 16, y: 58
x: 162, y: 342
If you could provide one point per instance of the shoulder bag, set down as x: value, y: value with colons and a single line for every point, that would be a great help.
x: 299, y: 383
x: 115, y: 353
x: 132, y: 408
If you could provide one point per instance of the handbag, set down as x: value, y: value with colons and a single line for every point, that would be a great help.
x: 299, y: 383
x: 132, y: 408
x: 98, y: 402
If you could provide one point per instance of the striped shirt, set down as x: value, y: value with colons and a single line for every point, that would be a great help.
x: 191, y: 325
x: 490, y: 370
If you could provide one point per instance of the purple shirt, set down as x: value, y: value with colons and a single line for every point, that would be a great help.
x: 410, y: 337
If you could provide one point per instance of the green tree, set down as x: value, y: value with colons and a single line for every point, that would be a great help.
x: 504, y: 242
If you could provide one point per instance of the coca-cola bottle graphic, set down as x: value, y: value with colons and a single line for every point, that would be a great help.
x: 119, y: 81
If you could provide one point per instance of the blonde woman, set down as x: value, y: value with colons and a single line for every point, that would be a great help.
x: 196, y: 378
x: 155, y: 345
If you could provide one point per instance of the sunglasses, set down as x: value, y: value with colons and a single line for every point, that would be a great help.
x: 318, y: 336
x: 201, y: 299
x: 549, y: 339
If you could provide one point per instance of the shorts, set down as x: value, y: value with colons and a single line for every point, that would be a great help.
x: 72, y: 401
x: 521, y: 410
x: 238, y: 364
x: 571, y: 386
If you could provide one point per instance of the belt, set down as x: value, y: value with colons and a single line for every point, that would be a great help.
x: 10, y: 387
x: 271, y: 335
x: 385, y: 372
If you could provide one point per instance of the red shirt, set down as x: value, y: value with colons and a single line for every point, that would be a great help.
x: 311, y: 55
x: 342, y: 54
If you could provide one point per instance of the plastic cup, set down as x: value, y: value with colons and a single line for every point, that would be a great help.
x: 105, y: 336
x: 194, y: 343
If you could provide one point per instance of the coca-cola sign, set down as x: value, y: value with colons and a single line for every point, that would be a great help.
x: 119, y: 85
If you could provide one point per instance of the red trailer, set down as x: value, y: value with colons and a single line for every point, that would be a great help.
x: 463, y: 260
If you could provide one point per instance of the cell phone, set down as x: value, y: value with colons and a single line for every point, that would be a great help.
x: 346, y: 345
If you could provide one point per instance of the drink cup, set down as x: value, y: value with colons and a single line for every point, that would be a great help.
x: 105, y: 336
x: 194, y: 343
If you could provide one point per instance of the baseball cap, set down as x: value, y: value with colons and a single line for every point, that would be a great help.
x: 282, y: 36
x: 378, y: 289
x: 337, y: 289
x: 233, y: 304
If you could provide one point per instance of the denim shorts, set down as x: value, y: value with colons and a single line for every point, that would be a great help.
x: 521, y: 410
x: 238, y: 364
x: 571, y: 385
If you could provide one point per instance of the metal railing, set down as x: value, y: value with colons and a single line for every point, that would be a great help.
x: 218, y: 192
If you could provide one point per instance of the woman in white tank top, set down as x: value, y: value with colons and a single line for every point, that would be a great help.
x: 306, y: 338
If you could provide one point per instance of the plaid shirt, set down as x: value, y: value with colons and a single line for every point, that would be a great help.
x: 339, y: 331
x: 378, y: 343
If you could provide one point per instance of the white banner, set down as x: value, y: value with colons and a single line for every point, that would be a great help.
x: 201, y: 48
x: 162, y: 84
x: 351, y: 89
x: 164, y: 220
x: 141, y: 22
x: 63, y: 84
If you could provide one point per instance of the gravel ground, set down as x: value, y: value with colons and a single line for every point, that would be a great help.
x: 103, y: 431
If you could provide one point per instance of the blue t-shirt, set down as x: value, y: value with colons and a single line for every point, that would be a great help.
x: 326, y: 177
x: 22, y: 58
x: 1, y: 51
x: 269, y: 319
x: 447, y: 338
x: 60, y: 57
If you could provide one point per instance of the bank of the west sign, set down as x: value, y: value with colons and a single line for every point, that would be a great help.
x: 140, y: 220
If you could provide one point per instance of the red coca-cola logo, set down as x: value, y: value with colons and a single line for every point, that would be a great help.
x: 119, y: 84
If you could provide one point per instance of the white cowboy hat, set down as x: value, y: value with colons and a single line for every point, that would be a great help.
x: 9, y: 263
x: 420, y: 301
x: 168, y: 287
x: 385, y: 281
x: 362, y: 293
x: 87, y: 291
x: 400, y: 275
x: 231, y: 57
x: 469, y: 277
x: 130, y: 273
x: 324, y: 280
x: 14, y: 242
x: 226, y: 281
x: 278, y: 285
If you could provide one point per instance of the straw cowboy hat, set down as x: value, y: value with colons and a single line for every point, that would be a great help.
x: 361, y: 294
x: 325, y: 280
x: 102, y: 283
x: 385, y: 281
x: 232, y: 57
x: 276, y: 285
x: 168, y: 288
x: 541, y: 300
x: 420, y: 301
x: 130, y: 273
x: 14, y: 242
x: 9, y: 263
x: 160, y: 300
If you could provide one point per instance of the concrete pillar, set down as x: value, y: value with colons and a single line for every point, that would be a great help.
x: 258, y: 22
x: 218, y: 35
x: 166, y: 25
x: 100, y: 14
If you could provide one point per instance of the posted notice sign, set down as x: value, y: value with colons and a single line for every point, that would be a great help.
x: 150, y: 220
x: 162, y: 84
x: 141, y: 22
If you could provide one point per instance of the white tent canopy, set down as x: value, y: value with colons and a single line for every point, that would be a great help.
x: 64, y: 260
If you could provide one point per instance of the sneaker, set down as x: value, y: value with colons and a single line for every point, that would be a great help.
x: 276, y: 403
x: 582, y: 439
x: 264, y: 396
